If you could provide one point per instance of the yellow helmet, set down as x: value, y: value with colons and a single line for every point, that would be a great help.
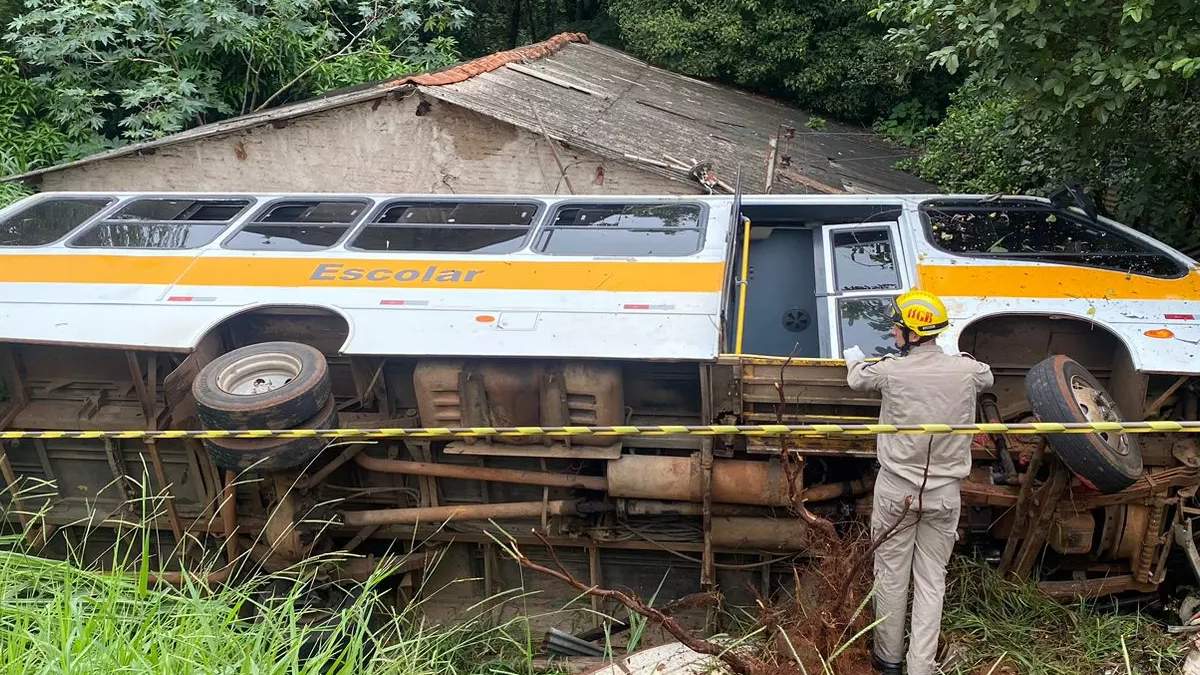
x: 921, y: 312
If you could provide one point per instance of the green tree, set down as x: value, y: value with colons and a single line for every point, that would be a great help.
x: 1100, y: 91
x: 981, y: 147
x: 1066, y: 57
x: 29, y: 138
x: 504, y: 24
x: 139, y: 69
x: 827, y: 56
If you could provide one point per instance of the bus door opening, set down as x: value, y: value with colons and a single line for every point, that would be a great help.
x: 814, y: 272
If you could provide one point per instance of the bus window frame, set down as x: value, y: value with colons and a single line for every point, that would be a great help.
x: 382, y: 205
x: 830, y: 298
x: 369, y: 208
x: 127, y: 199
x: 114, y: 202
x: 539, y: 248
x: 1016, y: 203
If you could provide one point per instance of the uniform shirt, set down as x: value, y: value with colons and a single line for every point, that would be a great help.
x: 926, y: 386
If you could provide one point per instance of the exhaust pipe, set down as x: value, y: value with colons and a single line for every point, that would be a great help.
x: 519, y: 476
x: 733, y: 481
x: 441, y: 514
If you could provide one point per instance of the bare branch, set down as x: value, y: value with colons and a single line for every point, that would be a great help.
x: 372, y: 22
x: 793, y: 465
x: 738, y: 663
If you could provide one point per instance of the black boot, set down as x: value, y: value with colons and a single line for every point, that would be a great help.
x: 884, y: 667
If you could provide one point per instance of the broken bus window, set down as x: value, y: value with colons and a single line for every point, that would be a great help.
x: 306, y: 225
x: 176, y: 223
x: 459, y: 227
x: 623, y: 230
x: 1034, y: 231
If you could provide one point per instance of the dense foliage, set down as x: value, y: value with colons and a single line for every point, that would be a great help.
x: 144, y: 69
x: 78, y: 76
x: 29, y: 135
x: 504, y: 24
x: 827, y: 57
x: 1062, y: 58
x: 1102, y: 91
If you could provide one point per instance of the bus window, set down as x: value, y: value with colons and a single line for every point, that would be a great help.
x: 867, y: 322
x: 863, y: 260
x: 163, y: 223
x: 48, y: 220
x: 449, y: 227
x: 302, y: 225
x: 623, y: 230
x: 1039, y: 232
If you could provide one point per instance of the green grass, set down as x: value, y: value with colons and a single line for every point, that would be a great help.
x: 68, y: 616
x: 991, y: 617
x: 60, y: 617
x: 57, y: 617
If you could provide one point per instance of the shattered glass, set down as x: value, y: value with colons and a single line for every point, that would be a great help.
x: 1045, y: 234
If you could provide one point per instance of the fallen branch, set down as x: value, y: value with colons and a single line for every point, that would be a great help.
x: 691, y: 601
x: 793, y: 465
x: 738, y: 663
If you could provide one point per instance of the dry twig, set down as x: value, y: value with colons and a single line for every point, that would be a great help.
x: 739, y: 663
x: 793, y: 465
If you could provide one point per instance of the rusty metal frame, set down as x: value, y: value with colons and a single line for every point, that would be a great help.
x: 1046, y: 500
x: 229, y: 516
x: 1021, y: 517
x: 1038, y: 502
x: 708, y: 575
x: 146, y: 386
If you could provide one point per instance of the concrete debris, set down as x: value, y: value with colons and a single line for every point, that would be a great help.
x: 668, y: 659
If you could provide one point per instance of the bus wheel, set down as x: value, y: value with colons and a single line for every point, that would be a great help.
x: 274, y: 454
x: 271, y: 385
x: 1061, y: 390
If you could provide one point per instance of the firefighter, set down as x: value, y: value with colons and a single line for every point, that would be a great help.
x: 921, y: 384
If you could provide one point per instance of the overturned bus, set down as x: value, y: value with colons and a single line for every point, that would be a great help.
x: 129, y: 311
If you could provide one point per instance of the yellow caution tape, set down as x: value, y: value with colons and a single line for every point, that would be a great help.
x: 659, y: 430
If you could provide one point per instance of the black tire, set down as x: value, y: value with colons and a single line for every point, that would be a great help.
x: 1108, y: 462
x: 302, y: 390
x: 273, y: 454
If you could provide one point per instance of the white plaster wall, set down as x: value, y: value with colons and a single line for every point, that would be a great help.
x: 390, y: 144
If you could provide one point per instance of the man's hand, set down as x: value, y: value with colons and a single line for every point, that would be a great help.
x: 853, y: 355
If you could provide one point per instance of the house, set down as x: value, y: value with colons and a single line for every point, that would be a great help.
x: 561, y: 116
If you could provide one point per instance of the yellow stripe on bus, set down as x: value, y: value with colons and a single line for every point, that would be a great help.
x: 1059, y: 281
x: 320, y: 272
x: 967, y: 279
x: 92, y: 269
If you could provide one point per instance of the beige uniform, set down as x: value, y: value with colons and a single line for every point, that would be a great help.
x: 927, y: 385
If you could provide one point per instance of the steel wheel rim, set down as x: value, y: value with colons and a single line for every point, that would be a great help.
x: 259, y: 374
x: 1097, y: 406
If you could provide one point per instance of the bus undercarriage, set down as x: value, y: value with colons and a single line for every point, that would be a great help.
x: 674, y: 513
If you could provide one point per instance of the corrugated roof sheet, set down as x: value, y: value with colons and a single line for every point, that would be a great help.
x: 603, y: 100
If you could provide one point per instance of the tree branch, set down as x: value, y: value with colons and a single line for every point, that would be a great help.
x: 793, y: 467
x: 370, y: 24
x: 738, y: 663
